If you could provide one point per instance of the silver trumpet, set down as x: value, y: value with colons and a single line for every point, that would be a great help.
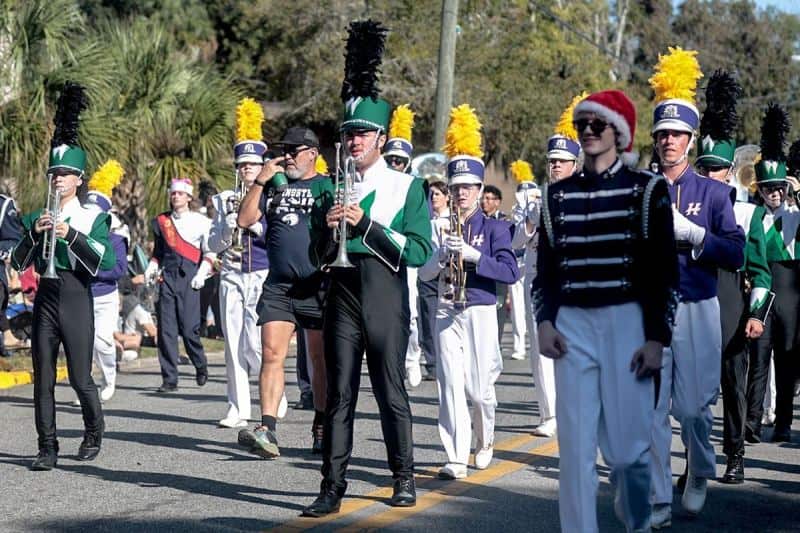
x: 234, y: 202
x: 49, y: 237
x: 348, y: 178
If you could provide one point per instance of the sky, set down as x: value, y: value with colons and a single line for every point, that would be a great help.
x: 790, y: 6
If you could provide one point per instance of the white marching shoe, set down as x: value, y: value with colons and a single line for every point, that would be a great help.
x: 453, y: 471
x: 106, y: 393
x: 547, y: 428
x: 414, y: 374
x: 233, y: 422
x: 694, y: 494
x: 283, y: 406
x: 518, y: 356
x: 483, y: 457
x: 661, y: 516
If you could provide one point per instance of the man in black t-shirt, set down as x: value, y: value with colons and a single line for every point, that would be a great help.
x: 292, y: 294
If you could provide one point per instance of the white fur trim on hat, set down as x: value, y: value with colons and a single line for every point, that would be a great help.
x: 613, y: 118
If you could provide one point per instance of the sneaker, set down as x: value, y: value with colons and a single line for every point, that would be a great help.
x: 768, y: 419
x: 661, y: 516
x: 518, y: 356
x: 265, y: 444
x: 283, y: 407
x: 547, y: 428
x: 247, y: 438
x: 694, y: 495
x: 453, y: 471
x: 232, y: 422
x: 414, y: 374
x: 106, y: 393
x: 483, y: 457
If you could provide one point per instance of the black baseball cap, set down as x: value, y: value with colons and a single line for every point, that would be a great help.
x: 298, y: 136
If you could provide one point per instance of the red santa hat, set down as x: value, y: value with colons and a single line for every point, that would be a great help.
x: 617, y: 109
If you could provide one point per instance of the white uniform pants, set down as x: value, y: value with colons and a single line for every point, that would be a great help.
x: 689, y: 386
x: 769, y: 397
x: 541, y: 367
x: 601, y: 402
x: 238, y: 296
x: 414, y: 351
x: 106, y: 320
x: 469, y: 365
x: 519, y: 310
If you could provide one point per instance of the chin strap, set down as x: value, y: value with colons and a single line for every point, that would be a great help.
x: 682, y: 158
x: 373, y: 147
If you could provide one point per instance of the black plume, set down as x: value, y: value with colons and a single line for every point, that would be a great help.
x: 773, y: 133
x: 794, y: 159
x: 365, y: 44
x: 720, y: 118
x: 71, y: 102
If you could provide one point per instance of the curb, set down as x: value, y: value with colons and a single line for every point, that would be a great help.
x: 13, y: 379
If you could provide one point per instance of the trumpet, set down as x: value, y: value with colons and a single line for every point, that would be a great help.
x: 49, y: 237
x: 348, y: 178
x: 239, y: 192
x: 455, y: 275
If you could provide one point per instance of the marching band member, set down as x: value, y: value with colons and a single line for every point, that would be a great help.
x: 781, y: 222
x: 604, y: 296
x: 367, y: 306
x: 244, y: 266
x: 744, y: 295
x: 104, y: 287
x: 10, y: 233
x: 563, y: 150
x: 292, y: 295
x: 466, y: 321
x: 182, y: 261
x: 397, y: 154
x: 707, y: 238
x: 62, y: 311
x: 519, y: 311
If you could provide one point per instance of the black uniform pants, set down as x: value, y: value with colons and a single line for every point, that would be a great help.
x: 734, y: 305
x: 63, y: 313
x: 781, y: 339
x: 367, y: 310
x: 303, y: 378
x: 178, y: 313
x: 428, y: 301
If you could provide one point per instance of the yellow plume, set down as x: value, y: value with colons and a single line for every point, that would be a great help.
x: 107, y: 177
x: 564, y: 125
x: 676, y: 75
x: 463, y: 136
x: 249, y: 117
x: 320, y: 165
x: 402, y: 123
x: 522, y: 171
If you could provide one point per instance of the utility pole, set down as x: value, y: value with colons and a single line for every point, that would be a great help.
x: 447, y: 63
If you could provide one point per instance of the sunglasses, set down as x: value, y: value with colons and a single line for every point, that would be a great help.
x: 596, y: 125
x: 396, y: 160
x: 296, y: 151
x: 769, y: 189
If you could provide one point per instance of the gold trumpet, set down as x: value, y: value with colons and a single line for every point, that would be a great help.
x: 234, y: 203
x: 456, y: 276
x: 49, y: 237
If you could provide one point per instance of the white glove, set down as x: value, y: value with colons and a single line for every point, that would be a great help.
x: 456, y: 245
x: 230, y: 221
x: 257, y: 228
x: 686, y: 230
x: 199, y: 279
x: 151, y: 272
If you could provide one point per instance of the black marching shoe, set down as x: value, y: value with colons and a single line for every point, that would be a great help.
x: 45, y: 460
x: 305, y: 403
x: 405, y: 493
x: 782, y: 434
x: 734, y: 471
x: 752, y: 436
x: 167, y: 387
x: 317, y: 432
x: 202, y: 376
x: 328, y: 501
x: 90, y: 447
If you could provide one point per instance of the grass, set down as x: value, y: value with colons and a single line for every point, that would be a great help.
x: 21, y: 360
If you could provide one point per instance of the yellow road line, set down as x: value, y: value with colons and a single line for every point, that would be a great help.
x: 441, y: 494
x: 353, y: 504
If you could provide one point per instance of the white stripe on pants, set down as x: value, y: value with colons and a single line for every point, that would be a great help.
x: 106, y: 320
x: 600, y: 401
x: 238, y: 296
x: 414, y: 351
x: 689, y: 386
x: 469, y: 364
x: 542, y: 368
x: 519, y: 310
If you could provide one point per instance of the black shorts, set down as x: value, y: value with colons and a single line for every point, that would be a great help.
x: 300, y: 302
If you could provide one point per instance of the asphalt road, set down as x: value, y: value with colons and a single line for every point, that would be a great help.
x: 165, y: 466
